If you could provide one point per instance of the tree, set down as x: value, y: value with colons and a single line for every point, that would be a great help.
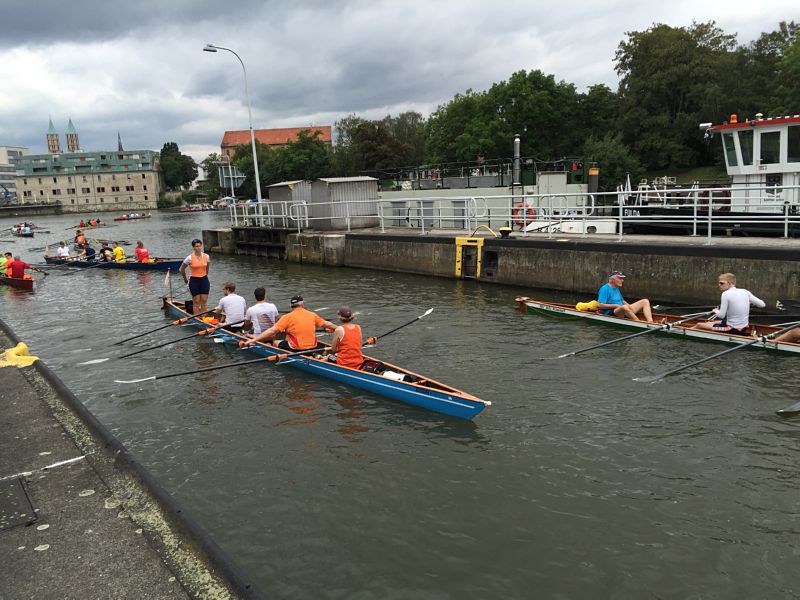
x: 179, y: 169
x: 670, y: 77
x: 307, y: 158
x: 211, y: 187
x: 615, y: 159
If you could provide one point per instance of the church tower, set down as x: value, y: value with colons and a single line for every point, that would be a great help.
x: 53, y: 143
x: 72, y: 138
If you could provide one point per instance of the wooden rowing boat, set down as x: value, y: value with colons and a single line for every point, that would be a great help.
x: 662, y: 323
x: 160, y: 264
x: 413, y: 389
x: 25, y: 234
x: 23, y: 284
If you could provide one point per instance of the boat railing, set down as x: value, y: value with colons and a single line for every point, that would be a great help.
x: 692, y: 210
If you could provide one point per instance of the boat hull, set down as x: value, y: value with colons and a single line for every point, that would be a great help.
x: 683, y: 331
x: 426, y: 393
x: 163, y: 265
x: 23, y: 284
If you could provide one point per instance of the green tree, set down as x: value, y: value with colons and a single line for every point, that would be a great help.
x: 268, y: 167
x: 211, y: 187
x: 670, y: 81
x: 307, y: 158
x: 598, y: 110
x: 408, y: 131
x: 179, y: 169
x: 615, y: 159
x: 343, y: 152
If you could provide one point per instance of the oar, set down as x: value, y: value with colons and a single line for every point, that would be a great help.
x: 374, y: 339
x: 627, y: 337
x: 763, y: 338
x: 176, y: 322
x: 276, y: 358
x: 786, y: 411
x: 662, y: 307
x: 782, y: 304
x: 129, y: 354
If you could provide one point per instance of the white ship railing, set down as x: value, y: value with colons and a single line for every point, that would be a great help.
x: 691, y: 210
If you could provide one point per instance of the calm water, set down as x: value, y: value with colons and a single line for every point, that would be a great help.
x: 577, y: 483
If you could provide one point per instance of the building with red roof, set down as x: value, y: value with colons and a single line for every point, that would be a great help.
x: 275, y: 138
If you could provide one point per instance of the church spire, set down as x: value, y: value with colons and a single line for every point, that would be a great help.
x: 53, y: 143
x: 72, y: 138
x: 119, y: 143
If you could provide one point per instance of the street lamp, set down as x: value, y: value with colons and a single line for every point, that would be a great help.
x: 213, y: 48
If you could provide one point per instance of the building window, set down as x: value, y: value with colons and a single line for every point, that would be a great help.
x: 87, y: 201
x: 128, y: 188
x: 55, y: 180
x: 84, y: 178
x: 144, y: 187
x: 72, y: 201
x: 69, y: 179
x: 41, y: 192
x: 40, y: 180
x: 114, y: 188
x: 86, y: 190
x: 143, y: 175
x: 101, y: 200
x: 130, y: 198
x: 145, y: 198
x: 27, y: 194
x: 56, y: 192
x: 113, y: 177
x: 70, y: 191
x: 25, y: 181
x: 100, y: 190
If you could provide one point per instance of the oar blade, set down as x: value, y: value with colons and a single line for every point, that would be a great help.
x: 649, y: 378
x: 426, y: 313
x: 95, y: 361
x: 787, y: 411
x: 153, y: 378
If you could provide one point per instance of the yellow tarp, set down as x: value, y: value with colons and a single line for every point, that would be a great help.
x: 587, y: 306
x: 17, y: 357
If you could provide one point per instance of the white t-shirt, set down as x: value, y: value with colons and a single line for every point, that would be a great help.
x: 263, y: 315
x: 233, y: 305
x: 62, y: 251
x: 734, y: 306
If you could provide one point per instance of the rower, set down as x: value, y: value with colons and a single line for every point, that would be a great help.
x: 346, y: 342
x: 16, y: 268
x: 80, y: 239
x: 142, y: 255
x: 62, y: 251
x: 117, y: 252
x: 233, y: 305
x: 105, y: 252
x: 299, y: 325
x: 4, y: 259
x: 733, y: 313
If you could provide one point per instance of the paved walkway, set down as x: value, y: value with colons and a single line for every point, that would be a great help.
x: 71, y: 518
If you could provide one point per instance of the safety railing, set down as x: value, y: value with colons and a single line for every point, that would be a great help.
x: 690, y: 211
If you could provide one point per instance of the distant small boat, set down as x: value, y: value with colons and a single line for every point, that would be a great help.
x: 131, y: 218
x: 26, y: 234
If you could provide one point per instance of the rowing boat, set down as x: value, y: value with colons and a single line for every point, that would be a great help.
x: 23, y: 284
x: 160, y: 264
x: 662, y: 323
x: 375, y: 376
x: 25, y: 234
x: 132, y: 218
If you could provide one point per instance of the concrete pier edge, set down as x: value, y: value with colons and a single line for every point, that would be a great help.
x: 202, y: 568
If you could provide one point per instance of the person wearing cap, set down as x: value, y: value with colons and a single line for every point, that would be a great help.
x: 233, y: 305
x: 199, y: 286
x: 733, y: 313
x: 611, y: 302
x: 299, y: 325
x: 346, y: 343
x: 262, y: 315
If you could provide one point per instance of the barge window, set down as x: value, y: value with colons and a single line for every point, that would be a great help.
x: 746, y: 143
x: 771, y: 148
x: 730, y: 149
x: 794, y: 143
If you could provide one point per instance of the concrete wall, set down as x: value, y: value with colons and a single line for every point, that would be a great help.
x: 316, y: 249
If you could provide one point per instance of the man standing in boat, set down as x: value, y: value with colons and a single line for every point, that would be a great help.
x: 300, y: 326
x: 733, y: 313
x: 610, y: 301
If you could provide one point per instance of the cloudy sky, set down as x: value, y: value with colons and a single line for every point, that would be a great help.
x: 138, y: 67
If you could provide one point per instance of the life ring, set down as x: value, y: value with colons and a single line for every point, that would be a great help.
x: 519, y: 214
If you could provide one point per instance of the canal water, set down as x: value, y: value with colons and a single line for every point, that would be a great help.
x: 577, y: 482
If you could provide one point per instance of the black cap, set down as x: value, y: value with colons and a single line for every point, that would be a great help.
x: 345, y: 312
x: 296, y: 300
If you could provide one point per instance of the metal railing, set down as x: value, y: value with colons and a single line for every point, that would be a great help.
x: 691, y: 211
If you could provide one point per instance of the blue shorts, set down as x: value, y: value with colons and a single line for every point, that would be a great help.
x: 199, y: 286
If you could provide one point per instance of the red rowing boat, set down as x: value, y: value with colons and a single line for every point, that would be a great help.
x: 22, y: 283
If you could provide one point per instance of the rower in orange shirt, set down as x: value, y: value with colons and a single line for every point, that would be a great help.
x: 300, y: 326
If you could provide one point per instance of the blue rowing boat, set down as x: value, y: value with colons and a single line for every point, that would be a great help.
x: 158, y: 265
x: 374, y: 376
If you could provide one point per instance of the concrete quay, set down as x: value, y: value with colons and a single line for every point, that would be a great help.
x: 79, y: 518
x: 680, y: 269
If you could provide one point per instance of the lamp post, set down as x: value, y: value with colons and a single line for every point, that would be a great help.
x: 213, y: 48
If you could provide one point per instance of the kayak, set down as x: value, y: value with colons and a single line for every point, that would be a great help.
x: 131, y: 218
x: 375, y: 376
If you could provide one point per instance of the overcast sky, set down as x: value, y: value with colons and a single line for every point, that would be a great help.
x: 138, y: 67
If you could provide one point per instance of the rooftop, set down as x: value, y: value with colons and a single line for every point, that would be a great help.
x: 274, y: 137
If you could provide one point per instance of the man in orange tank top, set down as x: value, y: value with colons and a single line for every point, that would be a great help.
x: 346, y: 343
x: 299, y: 325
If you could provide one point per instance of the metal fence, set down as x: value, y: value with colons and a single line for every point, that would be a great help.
x: 691, y: 211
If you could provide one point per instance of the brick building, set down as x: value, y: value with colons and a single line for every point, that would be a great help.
x: 275, y: 138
